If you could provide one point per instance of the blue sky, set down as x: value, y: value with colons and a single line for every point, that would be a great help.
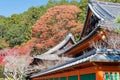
x: 9, y: 7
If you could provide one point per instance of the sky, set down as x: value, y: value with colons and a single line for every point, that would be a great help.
x: 9, y: 7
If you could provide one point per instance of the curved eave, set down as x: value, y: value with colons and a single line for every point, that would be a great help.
x: 100, y: 11
x: 84, y: 45
x: 68, y: 38
x: 74, y: 47
x: 92, y: 9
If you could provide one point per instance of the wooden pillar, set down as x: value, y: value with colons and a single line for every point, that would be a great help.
x: 99, y: 75
x: 67, y: 77
x: 78, y: 74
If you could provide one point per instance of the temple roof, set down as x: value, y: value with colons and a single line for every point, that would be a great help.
x: 105, y: 55
x: 52, y: 54
x: 107, y: 12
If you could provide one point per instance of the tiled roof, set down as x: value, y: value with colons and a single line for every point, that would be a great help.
x: 108, y: 55
x: 49, y: 54
x: 111, y: 8
x: 66, y: 64
x: 107, y: 12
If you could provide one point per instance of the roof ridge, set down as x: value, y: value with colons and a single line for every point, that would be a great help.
x: 109, y: 3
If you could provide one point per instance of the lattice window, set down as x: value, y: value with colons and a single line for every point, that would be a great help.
x: 111, y: 76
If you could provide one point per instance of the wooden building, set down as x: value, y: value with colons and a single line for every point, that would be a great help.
x: 95, y: 64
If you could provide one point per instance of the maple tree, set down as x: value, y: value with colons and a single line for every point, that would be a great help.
x: 55, y: 25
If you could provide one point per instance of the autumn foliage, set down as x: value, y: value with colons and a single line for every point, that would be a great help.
x: 55, y: 25
x: 18, y: 51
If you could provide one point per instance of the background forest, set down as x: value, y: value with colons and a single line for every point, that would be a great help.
x: 17, y: 29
